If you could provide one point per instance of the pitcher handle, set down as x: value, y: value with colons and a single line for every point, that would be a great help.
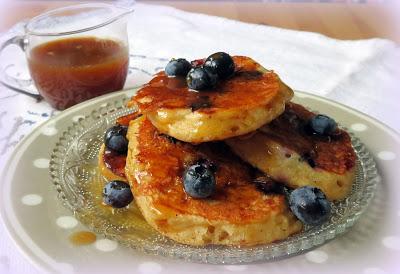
x: 19, y: 40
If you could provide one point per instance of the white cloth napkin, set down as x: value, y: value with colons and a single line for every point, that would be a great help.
x: 362, y: 74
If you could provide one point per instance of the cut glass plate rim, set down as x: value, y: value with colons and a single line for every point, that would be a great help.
x: 356, y: 203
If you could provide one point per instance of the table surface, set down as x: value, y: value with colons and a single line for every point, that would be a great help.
x: 338, y: 20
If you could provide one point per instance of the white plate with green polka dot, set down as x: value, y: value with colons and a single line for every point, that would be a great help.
x: 41, y: 222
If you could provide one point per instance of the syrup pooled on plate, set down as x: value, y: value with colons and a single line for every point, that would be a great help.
x: 127, y: 222
x: 72, y: 70
x: 82, y: 238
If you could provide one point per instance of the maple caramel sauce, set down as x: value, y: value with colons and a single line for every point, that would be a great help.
x: 128, y: 221
x: 247, y: 88
x: 236, y: 199
x: 125, y: 120
x: 72, y: 70
x: 82, y: 238
x: 115, y: 162
x: 332, y: 153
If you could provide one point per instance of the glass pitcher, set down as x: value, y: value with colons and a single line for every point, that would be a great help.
x: 77, y: 52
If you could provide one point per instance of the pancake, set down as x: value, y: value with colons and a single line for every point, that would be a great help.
x: 287, y: 152
x: 236, y: 214
x: 252, y: 97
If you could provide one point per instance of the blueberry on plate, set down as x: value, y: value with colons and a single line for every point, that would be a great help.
x: 220, y: 63
x: 117, y: 194
x: 322, y: 125
x: 310, y: 205
x: 199, y: 180
x: 115, y: 139
x: 201, y: 78
x: 178, y: 67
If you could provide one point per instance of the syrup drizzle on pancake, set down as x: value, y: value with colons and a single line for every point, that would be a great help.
x: 332, y: 153
x: 247, y: 88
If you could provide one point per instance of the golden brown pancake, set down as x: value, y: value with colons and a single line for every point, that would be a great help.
x: 288, y: 152
x: 236, y: 106
x: 236, y: 214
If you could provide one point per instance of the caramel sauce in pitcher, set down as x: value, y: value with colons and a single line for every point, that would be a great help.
x: 72, y: 70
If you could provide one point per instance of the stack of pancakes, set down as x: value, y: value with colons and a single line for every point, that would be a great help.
x: 247, y: 127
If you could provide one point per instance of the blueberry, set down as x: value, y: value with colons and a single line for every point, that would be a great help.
x: 220, y: 63
x: 310, y: 205
x: 199, y: 180
x: 322, y: 125
x: 178, y: 67
x: 115, y: 139
x: 117, y: 194
x: 209, y: 164
x: 201, y: 78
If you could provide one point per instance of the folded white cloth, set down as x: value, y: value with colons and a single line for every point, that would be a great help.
x: 362, y: 74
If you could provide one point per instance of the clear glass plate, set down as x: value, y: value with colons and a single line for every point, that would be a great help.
x: 73, y: 169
